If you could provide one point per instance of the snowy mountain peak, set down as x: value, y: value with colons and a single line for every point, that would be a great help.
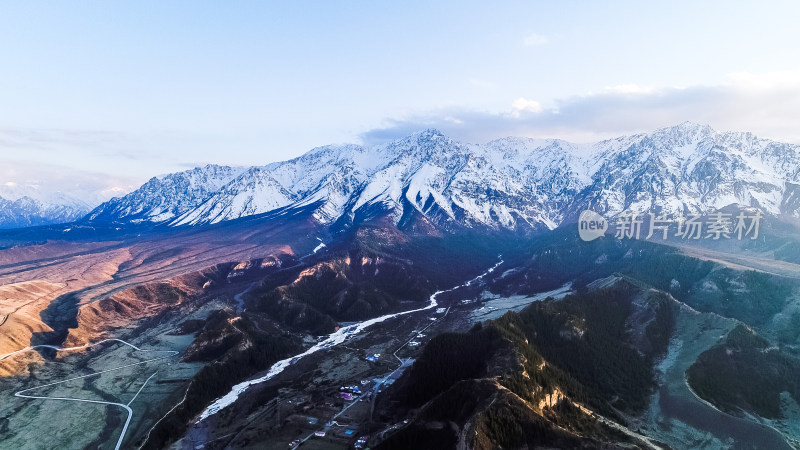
x: 427, y: 135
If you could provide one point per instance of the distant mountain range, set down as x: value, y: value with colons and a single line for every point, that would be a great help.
x: 25, y: 206
x: 509, y: 183
x: 28, y: 212
x: 33, y: 195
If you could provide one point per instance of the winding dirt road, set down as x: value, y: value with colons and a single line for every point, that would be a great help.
x: 126, y: 407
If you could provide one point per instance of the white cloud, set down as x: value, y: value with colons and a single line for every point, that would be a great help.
x: 522, y: 105
x: 533, y: 40
x: 765, y: 104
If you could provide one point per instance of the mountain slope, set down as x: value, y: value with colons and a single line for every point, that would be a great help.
x: 692, y: 169
x: 252, y: 192
x: 165, y: 198
x: 518, y: 383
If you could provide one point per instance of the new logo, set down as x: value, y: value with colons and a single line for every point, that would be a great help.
x: 591, y: 225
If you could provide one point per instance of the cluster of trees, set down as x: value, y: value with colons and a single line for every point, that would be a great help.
x: 511, y: 426
x: 739, y: 375
x: 659, y: 331
x: 504, y: 428
x: 445, y: 360
x: 586, y: 336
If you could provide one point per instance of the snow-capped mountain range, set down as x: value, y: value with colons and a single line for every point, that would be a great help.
x: 27, y: 212
x: 24, y: 206
x: 34, y: 194
x: 507, y: 183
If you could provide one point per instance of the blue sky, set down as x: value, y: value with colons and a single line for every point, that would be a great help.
x: 137, y: 88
